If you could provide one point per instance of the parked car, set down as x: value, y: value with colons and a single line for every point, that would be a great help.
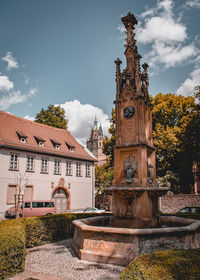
x: 90, y: 210
x: 189, y: 210
x: 33, y: 208
x: 11, y: 212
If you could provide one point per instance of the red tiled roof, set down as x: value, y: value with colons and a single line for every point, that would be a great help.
x: 9, y: 124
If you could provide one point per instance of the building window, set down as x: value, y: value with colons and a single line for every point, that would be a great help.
x: 29, y: 165
x: 14, y: 162
x: 11, y: 194
x: 23, y: 140
x: 87, y: 170
x: 68, y: 168
x: 28, y: 193
x: 56, y: 167
x: 44, y: 165
x: 78, y: 169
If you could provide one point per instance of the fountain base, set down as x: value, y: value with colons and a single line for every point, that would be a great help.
x: 95, y: 240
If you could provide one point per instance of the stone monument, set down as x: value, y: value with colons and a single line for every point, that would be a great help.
x: 135, y: 191
x: 135, y: 227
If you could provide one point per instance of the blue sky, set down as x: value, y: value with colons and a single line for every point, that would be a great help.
x: 62, y: 52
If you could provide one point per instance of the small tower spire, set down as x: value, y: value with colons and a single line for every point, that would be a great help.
x: 95, y: 123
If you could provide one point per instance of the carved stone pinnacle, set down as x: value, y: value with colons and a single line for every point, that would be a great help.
x: 129, y: 21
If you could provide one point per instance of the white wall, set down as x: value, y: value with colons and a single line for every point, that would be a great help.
x: 82, y: 188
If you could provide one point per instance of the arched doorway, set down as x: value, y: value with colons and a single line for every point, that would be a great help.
x: 61, y: 197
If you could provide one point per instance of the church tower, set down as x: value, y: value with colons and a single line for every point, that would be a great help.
x: 95, y: 143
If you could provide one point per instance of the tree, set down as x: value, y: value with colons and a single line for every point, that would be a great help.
x: 173, y: 128
x: 109, y: 142
x: 53, y: 116
x: 104, y: 175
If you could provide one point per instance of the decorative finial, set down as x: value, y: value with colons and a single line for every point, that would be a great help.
x: 145, y: 66
x: 129, y: 21
x: 118, y: 62
x: 118, y: 71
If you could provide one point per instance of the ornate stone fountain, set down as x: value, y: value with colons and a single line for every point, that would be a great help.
x: 135, y: 227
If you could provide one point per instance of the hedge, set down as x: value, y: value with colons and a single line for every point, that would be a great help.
x: 12, y: 247
x: 18, y: 234
x: 169, y: 265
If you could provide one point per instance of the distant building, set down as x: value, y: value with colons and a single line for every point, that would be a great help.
x: 95, y: 143
x: 43, y: 163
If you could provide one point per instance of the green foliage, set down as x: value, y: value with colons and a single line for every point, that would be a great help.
x: 175, y: 119
x: 12, y: 247
x: 18, y: 234
x: 104, y: 176
x: 53, y: 116
x: 169, y: 265
x: 47, y: 229
x: 109, y: 142
x: 170, y: 180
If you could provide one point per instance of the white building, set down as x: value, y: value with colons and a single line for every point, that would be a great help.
x: 42, y: 163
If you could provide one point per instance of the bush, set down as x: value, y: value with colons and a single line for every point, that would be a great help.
x: 48, y: 229
x: 12, y: 247
x: 17, y: 234
x: 169, y: 265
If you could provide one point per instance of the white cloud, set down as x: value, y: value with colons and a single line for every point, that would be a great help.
x: 12, y: 98
x: 192, y: 4
x: 5, y: 83
x: 166, y: 35
x: 81, y: 118
x: 161, y: 28
x: 170, y: 54
x: 33, y: 91
x: 30, y: 118
x: 187, y: 87
x: 12, y: 62
x: 121, y: 28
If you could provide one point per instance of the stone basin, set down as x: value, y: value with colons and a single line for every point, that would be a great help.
x: 93, y: 241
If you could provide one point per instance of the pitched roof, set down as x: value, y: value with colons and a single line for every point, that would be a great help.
x: 10, y: 125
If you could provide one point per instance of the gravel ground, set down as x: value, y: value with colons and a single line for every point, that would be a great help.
x: 58, y: 259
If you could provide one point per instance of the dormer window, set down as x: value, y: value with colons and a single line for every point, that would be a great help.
x: 56, y: 144
x: 70, y: 146
x: 23, y: 140
x: 39, y: 140
x: 22, y: 137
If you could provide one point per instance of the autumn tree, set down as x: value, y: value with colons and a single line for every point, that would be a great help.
x: 52, y: 116
x: 173, y: 124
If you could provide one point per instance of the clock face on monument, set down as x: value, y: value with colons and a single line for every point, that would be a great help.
x: 129, y: 112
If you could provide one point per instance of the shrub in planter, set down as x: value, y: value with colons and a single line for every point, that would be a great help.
x: 12, y: 247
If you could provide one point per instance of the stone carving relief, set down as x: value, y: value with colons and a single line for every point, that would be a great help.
x: 130, y: 168
x: 149, y: 173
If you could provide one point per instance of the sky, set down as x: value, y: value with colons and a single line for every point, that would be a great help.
x: 62, y: 52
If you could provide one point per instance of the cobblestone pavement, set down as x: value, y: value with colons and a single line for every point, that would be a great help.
x: 58, y: 260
